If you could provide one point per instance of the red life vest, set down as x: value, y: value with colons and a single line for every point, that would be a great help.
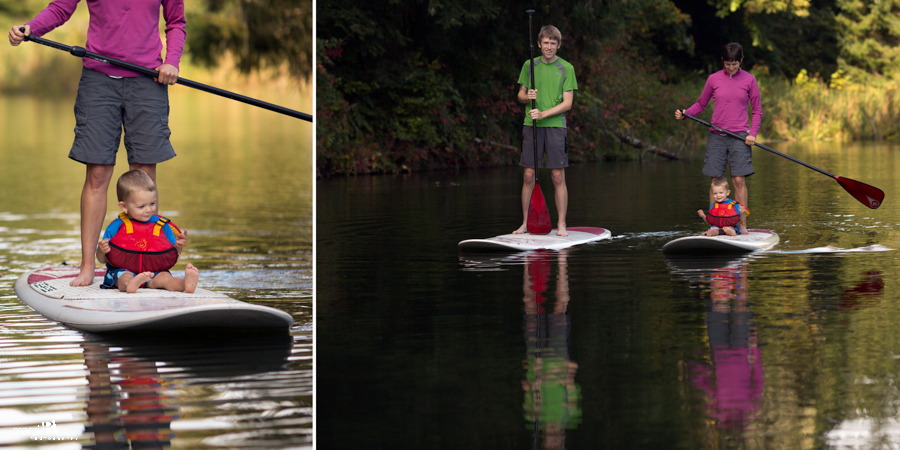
x: 142, y: 246
x: 724, y: 214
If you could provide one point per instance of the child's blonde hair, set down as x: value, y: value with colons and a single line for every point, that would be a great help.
x: 720, y: 182
x: 133, y: 181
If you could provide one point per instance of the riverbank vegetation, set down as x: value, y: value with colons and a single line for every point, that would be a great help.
x: 239, y: 45
x: 408, y: 85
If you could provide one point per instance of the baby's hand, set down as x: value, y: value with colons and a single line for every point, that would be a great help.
x: 104, y: 246
x: 701, y: 213
x: 181, y: 240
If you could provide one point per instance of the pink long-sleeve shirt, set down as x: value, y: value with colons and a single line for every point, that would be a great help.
x: 127, y: 30
x: 730, y: 96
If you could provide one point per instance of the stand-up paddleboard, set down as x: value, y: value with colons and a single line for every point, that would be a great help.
x: 754, y: 240
x: 90, y: 308
x: 525, y: 241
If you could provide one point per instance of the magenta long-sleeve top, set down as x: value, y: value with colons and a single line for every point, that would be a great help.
x: 122, y: 29
x: 730, y: 96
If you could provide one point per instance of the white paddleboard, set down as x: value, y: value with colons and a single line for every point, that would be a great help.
x: 90, y: 308
x: 526, y: 241
x: 754, y: 240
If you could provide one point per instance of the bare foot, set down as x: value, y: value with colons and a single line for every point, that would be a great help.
x: 712, y: 232
x: 85, y: 277
x: 137, y: 281
x: 191, y: 275
x: 521, y: 229
x: 561, y: 230
x: 729, y: 231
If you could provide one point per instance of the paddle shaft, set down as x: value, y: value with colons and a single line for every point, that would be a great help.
x: 533, y: 102
x: 81, y: 52
x: 761, y: 146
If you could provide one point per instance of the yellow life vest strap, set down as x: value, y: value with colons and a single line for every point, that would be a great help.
x: 159, y: 224
x: 129, y: 228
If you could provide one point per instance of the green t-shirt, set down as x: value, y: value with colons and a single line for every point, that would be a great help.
x: 551, y: 80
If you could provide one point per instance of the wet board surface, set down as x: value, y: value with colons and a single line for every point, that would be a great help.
x: 90, y: 308
x: 524, y: 242
x: 754, y: 240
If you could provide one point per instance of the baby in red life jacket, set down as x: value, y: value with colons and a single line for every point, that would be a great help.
x: 724, y: 214
x: 140, y: 247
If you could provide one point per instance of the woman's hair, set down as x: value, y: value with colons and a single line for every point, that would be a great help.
x: 551, y: 32
x: 720, y: 182
x: 133, y: 181
x: 732, y: 52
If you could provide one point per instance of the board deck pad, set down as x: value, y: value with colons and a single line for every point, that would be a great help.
x: 90, y: 308
x: 526, y: 241
x: 754, y: 240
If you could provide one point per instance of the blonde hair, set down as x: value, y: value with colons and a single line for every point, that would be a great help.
x: 133, y: 181
x: 719, y: 182
x: 550, y: 32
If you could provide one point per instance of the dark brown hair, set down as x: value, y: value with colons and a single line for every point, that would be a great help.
x: 732, y: 52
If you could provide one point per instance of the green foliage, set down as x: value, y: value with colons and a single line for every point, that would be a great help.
x: 258, y: 34
x: 870, y: 39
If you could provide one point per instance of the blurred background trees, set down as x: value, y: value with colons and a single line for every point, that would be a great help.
x: 415, y: 84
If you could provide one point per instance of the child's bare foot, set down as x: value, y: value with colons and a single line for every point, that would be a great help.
x: 137, y: 281
x: 521, y: 229
x: 712, y: 232
x: 561, y: 230
x: 191, y: 276
x: 729, y: 231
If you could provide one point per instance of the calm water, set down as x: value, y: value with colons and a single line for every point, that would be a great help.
x: 241, y: 186
x: 610, y: 345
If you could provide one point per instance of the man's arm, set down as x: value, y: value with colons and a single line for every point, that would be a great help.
x: 568, y: 99
x: 526, y: 95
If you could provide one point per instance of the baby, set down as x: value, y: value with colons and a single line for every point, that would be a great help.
x: 725, y: 214
x: 140, y: 247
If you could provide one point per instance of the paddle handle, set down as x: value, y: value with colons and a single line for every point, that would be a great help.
x: 533, y: 102
x: 82, y: 53
x: 761, y: 146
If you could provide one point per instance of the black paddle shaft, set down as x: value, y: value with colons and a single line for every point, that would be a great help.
x: 761, y: 146
x: 82, y: 53
x: 533, y: 103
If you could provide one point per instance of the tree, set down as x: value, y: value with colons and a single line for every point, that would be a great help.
x: 259, y: 33
x: 870, y: 39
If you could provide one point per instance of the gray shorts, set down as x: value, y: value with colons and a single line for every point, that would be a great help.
x: 105, y: 105
x: 550, y: 141
x: 723, y: 150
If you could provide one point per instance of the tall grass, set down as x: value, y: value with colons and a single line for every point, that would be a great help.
x: 808, y: 109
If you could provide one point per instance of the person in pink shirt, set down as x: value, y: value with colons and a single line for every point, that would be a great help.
x: 111, y: 98
x: 731, y: 91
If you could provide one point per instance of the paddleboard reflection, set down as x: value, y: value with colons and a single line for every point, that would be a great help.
x: 133, y: 381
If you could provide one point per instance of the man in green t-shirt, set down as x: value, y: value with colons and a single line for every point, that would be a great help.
x: 554, y: 93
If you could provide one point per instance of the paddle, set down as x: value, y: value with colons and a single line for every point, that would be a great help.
x: 538, y: 215
x: 868, y: 195
x: 82, y: 53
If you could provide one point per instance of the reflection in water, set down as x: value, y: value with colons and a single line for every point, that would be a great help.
x: 134, y: 381
x: 552, y: 398
x: 866, y: 291
x: 731, y: 382
x: 126, y: 405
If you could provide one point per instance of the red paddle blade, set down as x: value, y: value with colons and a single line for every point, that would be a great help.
x: 870, y: 196
x: 538, y: 215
